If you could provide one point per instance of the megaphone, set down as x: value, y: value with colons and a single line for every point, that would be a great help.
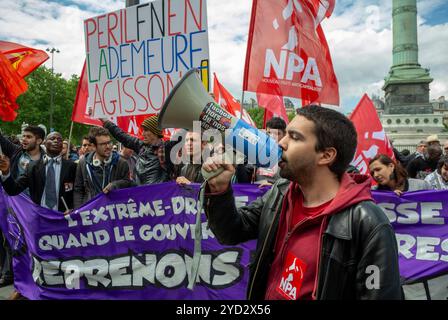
x: 189, y: 102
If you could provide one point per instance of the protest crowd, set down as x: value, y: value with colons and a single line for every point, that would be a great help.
x: 63, y: 178
x: 337, y: 213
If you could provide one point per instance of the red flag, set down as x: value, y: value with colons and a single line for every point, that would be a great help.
x: 23, y: 59
x: 229, y: 103
x: 274, y: 106
x: 266, y: 117
x: 80, y: 114
x: 11, y: 86
x: 287, y: 49
x: 372, y: 139
x: 16, y: 62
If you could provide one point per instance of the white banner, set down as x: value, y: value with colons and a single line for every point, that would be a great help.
x: 135, y: 56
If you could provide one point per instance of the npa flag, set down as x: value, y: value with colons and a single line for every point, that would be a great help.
x: 80, y: 114
x: 287, y: 51
x: 16, y: 62
x: 229, y: 103
x: 372, y: 139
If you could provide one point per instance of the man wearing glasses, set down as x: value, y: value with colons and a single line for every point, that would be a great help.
x: 100, y: 171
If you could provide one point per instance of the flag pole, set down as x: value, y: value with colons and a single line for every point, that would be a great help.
x: 242, y: 105
x: 69, y: 141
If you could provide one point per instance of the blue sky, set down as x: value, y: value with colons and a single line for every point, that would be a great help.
x: 359, y: 35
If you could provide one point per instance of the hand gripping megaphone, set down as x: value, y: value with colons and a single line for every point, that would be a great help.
x: 189, y: 102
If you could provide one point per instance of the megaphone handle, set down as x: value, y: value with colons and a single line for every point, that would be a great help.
x: 211, y: 174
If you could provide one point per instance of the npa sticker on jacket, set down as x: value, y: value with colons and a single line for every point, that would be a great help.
x: 292, y: 277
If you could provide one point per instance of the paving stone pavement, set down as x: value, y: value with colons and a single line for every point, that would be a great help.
x: 5, y: 292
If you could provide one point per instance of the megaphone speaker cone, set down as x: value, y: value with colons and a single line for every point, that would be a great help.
x: 185, y: 102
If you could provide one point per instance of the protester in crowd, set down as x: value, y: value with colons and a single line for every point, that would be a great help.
x: 420, y: 167
x: 100, y: 171
x: 21, y: 156
x: 391, y: 176
x: 406, y: 152
x: 153, y: 162
x: 50, y: 179
x: 85, y: 143
x: 433, y: 140
x: 86, y: 146
x: 420, y: 152
x: 192, y: 157
x: 72, y: 154
x: 304, y: 221
x: 64, y: 149
x: 128, y: 155
x: 26, y: 154
x: 439, y: 178
x: 276, y: 128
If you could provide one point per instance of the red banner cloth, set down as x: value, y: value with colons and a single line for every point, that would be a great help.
x: 287, y: 51
x: 16, y: 62
x: 229, y: 103
x: 372, y: 139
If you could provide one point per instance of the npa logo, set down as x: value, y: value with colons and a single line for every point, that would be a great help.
x: 292, y: 277
x: 289, y: 62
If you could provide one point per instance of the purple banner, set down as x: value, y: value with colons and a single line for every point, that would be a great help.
x: 420, y: 222
x: 138, y: 244
x: 135, y: 243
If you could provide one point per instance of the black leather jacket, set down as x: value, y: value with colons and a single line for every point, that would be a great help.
x: 355, y: 238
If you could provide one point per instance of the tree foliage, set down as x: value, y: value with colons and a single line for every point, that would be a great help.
x: 257, y: 114
x: 34, y: 104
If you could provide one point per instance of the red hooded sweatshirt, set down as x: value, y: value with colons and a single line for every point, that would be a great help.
x: 293, y: 274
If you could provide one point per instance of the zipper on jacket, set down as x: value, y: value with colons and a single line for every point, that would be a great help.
x: 319, y: 258
x: 263, y: 248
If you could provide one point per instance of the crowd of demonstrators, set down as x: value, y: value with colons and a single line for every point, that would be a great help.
x: 50, y: 179
x: 318, y: 195
x: 425, y: 168
x: 102, y: 170
x: 153, y: 161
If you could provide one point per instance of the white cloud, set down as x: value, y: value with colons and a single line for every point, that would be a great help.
x: 359, y: 35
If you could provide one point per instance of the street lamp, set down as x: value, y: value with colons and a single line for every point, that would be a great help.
x: 52, y: 51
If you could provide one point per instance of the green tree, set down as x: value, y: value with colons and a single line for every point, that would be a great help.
x: 257, y: 115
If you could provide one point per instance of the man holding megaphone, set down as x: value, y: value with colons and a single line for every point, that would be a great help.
x: 320, y: 235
